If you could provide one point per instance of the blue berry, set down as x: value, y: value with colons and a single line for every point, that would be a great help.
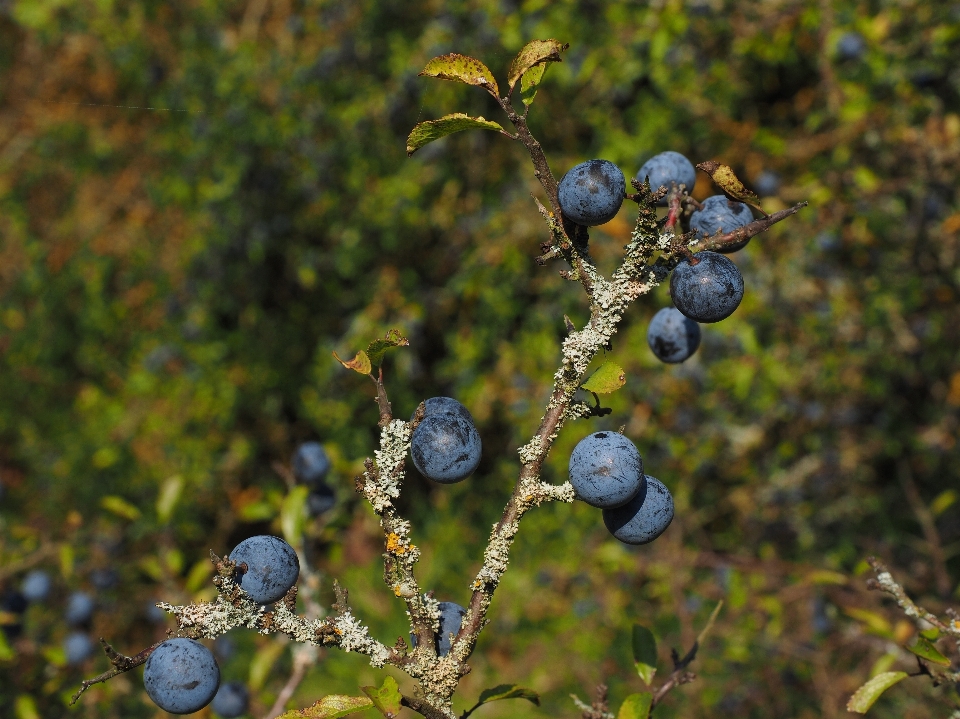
x: 851, y: 46
x: 231, y: 700
x: 80, y: 608
x: 104, y: 578
x: 310, y: 463
x: 444, y: 405
x: 36, y: 585
x: 591, y: 193
x: 767, y: 183
x: 606, y: 470
x: 723, y: 215
x: 451, y: 617
x: 272, y: 567
x: 644, y: 518
x: 181, y: 676
x: 77, y: 646
x: 671, y: 336
x: 709, y: 290
x: 666, y: 169
x: 445, y: 448
x: 320, y: 500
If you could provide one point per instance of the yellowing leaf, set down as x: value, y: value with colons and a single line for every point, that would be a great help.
x: 263, y: 662
x: 727, y: 181
x: 608, y: 378
x: 330, y: 707
x: 875, y: 622
x: 378, y: 348
x: 925, y: 650
x: 120, y: 507
x: 169, y: 495
x: 293, y: 514
x: 427, y: 132
x: 462, y: 68
x: 360, y: 363
x: 386, y: 698
x: 866, y: 695
x: 636, y: 706
x: 534, y: 53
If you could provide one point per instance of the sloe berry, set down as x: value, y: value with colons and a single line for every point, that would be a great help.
x: 451, y: 617
x: 709, y: 290
x: 666, y: 169
x: 445, y: 448
x: 80, y: 608
x: 643, y: 518
x: 671, y: 336
x: 444, y: 405
x: 606, y: 469
x: 181, y: 676
x: 591, y: 193
x: 36, y: 585
x: 77, y: 646
x: 272, y: 567
x: 721, y: 214
x: 310, y: 463
x: 231, y: 700
x: 320, y: 500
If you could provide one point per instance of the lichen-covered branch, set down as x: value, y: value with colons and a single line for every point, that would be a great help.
x: 885, y: 582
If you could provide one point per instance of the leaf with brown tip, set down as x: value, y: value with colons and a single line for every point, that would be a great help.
x: 726, y: 180
x: 533, y: 53
x: 360, y: 363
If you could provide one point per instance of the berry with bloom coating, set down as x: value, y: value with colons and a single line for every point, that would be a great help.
x: 36, y: 585
x: 310, y: 463
x: 444, y: 405
x: 451, y: 617
x: 77, y: 646
x: 231, y: 700
x: 321, y: 500
x: 445, y: 448
x: 80, y: 607
x: 709, y: 290
x: 181, y: 676
x: 666, y: 169
x: 272, y: 567
x: 606, y: 470
x: 644, y: 518
x: 723, y: 215
x: 591, y: 193
x: 671, y: 336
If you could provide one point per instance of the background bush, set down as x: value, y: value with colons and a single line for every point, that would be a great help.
x: 173, y: 280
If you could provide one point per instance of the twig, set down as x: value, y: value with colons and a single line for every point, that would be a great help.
x: 885, y: 582
x: 747, y: 231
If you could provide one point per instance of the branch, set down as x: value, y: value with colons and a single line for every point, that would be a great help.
x: 885, y: 582
x: 747, y: 231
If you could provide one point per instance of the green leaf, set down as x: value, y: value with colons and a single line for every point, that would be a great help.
x: 426, y: 132
x: 360, y: 363
x: 644, y: 652
x: 386, y: 698
x: 508, y: 691
x: 120, y: 507
x: 293, y: 514
x: 462, y: 68
x: 263, y: 662
x: 943, y: 501
x: 378, y: 348
x: 608, y: 378
x: 636, y: 706
x: 866, y: 695
x: 535, y: 52
x: 925, y: 650
x: 330, y: 707
x: 530, y: 81
x: 167, y: 499
x: 932, y: 634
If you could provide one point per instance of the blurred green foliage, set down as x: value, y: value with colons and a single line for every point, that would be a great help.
x: 174, y: 279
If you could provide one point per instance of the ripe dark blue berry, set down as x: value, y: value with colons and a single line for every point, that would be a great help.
x: 606, y: 470
x: 444, y: 405
x: 451, y: 617
x: 36, y: 585
x: 851, y: 46
x: 231, y: 700
x: 644, y: 518
x: 80, y: 608
x: 723, y: 215
x: 671, y: 336
x: 310, y: 463
x: 77, y: 647
x: 181, y: 676
x: 320, y: 500
x: 709, y: 290
x: 445, y: 448
x: 767, y: 183
x: 272, y: 567
x: 591, y: 193
x: 666, y: 169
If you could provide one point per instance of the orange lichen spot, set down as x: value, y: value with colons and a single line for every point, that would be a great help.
x: 394, y: 545
x: 396, y: 589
